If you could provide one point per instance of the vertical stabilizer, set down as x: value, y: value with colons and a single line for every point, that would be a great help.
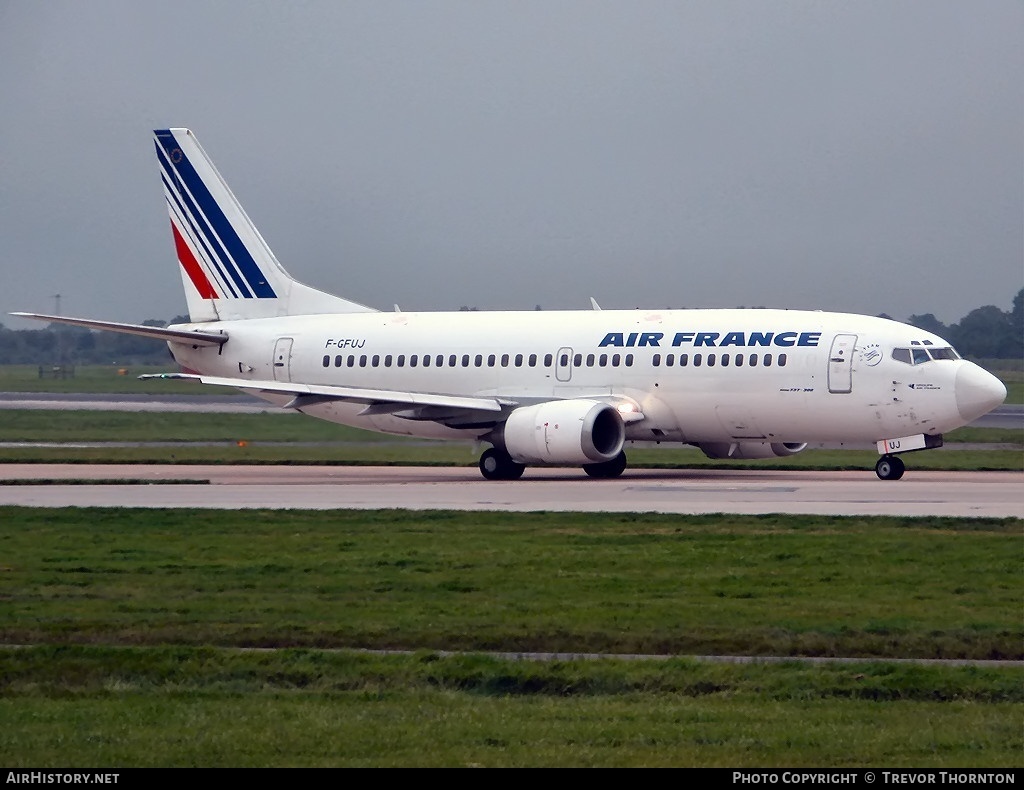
x: 228, y: 270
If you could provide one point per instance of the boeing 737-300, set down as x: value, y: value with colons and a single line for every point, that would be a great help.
x: 565, y: 388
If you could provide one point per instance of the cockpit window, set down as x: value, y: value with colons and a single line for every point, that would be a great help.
x: 943, y: 353
x: 918, y: 355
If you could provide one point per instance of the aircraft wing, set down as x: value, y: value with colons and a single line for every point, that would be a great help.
x: 451, y: 410
x: 194, y: 337
x: 377, y: 401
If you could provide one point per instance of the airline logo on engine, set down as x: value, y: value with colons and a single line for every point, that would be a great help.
x: 709, y: 339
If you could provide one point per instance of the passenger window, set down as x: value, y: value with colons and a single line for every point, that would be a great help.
x: 337, y: 362
x: 327, y: 361
x: 376, y: 360
x: 629, y: 360
x: 426, y: 360
x: 362, y: 361
x: 590, y: 360
x: 490, y: 360
x: 387, y: 360
x: 711, y: 360
x: 670, y: 360
x: 753, y: 360
x: 548, y: 359
x: 533, y: 360
x: 400, y: 361
x: 739, y: 360
x: 439, y: 362
x: 452, y: 360
x: 616, y: 358
x: 767, y: 360
x: 656, y: 360
x: 465, y: 360
x: 351, y: 360
x: 725, y: 360
x: 479, y: 360
x: 577, y: 360
x: 782, y: 360
x: 412, y: 360
x: 504, y: 360
x: 519, y: 360
x: 602, y: 360
x: 696, y: 360
x: 684, y: 360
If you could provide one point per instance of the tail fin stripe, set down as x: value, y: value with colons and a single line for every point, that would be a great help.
x: 186, y: 224
x: 215, y: 253
x: 228, y: 270
x: 192, y: 267
x: 250, y: 270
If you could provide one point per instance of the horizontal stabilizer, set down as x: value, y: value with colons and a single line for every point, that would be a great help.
x: 191, y: 336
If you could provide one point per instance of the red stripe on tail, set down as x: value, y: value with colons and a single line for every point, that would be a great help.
x: 191, y: 266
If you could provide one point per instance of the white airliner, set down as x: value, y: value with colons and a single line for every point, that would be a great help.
x: 548, y: 387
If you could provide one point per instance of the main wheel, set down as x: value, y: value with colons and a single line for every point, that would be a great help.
x: 496, y: 464
x: 889, y: 467
x: 612, y: 468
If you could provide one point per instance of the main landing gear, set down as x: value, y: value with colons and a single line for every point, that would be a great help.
x: 889, y: 467
x: 496, y: 464
x: 606, y: 469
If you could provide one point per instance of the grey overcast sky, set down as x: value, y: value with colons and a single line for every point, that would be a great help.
x: 857, y: 156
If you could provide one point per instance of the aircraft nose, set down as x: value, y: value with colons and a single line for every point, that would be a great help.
x: 977, y: 391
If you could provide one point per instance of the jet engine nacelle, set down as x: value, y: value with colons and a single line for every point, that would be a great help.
x: 564, y: 432
x: 751, y: 450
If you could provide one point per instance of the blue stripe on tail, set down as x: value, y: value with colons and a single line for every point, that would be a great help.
x: 200, y: 231
x: 179, y: 169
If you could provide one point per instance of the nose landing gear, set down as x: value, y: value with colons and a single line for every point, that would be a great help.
x: 889, y: 467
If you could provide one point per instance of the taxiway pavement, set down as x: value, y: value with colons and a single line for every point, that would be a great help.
x: 919, y: 493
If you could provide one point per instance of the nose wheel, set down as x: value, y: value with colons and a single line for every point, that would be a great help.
x: 889, y: 467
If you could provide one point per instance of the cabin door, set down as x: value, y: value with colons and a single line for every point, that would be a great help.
x: 283, y: 359
x: 840, y: 364
x: 563, y: 364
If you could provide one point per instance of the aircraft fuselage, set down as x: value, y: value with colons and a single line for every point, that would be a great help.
x: 696, y: 375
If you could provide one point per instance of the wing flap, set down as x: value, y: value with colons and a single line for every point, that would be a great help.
x: 307, y: 394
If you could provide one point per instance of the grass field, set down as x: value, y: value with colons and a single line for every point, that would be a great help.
x: 37, y: 425
x: 776, y: 585
x: 124, y: 707
x: 102, y: 379
x: 295, y: 438
x: 139, y: 618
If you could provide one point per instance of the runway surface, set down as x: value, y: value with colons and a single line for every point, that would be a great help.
x: 919, y: 493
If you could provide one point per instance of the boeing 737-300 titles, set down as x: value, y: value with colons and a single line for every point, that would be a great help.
x: 550, y: 387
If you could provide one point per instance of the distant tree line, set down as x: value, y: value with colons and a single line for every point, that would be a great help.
x: 984, y: 333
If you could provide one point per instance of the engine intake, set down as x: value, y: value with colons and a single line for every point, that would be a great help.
x: 564, y: 432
